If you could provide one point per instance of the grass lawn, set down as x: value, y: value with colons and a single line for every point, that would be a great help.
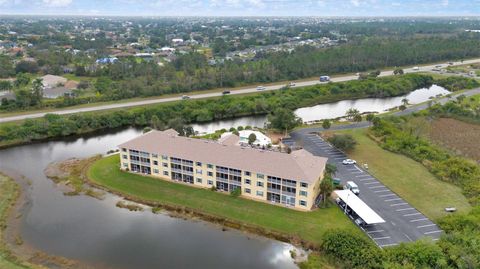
x: 410, y: 179
x: 8, y: 191
x: 307, y: 225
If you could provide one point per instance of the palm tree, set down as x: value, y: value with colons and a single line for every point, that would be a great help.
x: 405, y: 101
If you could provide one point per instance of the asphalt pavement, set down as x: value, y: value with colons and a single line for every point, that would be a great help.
x: 403, y: 222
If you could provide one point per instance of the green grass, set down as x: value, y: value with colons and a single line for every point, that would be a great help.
x: 8, y: 192
x: 309, y: 226
x: 408, y: 178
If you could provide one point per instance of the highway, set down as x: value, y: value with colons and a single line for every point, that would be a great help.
x: 219, y: 93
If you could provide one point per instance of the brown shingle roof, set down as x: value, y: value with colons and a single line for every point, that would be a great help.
x: 300, y: 165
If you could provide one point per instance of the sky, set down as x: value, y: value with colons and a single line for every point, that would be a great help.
x: 321, y: 8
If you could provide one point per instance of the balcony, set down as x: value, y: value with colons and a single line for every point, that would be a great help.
x: 277, y: 191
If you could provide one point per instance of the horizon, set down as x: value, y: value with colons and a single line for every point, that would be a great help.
x: 242, y: 8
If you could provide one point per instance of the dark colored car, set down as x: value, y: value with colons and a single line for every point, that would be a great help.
x: 225, y: 92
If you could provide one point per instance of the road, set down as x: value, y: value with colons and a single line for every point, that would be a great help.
x: 216, y: 94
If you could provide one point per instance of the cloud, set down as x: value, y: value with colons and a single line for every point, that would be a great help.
x: 355, y: 2
x: 57, y: 3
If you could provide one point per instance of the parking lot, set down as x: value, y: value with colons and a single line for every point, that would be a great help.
x: 403, y: 222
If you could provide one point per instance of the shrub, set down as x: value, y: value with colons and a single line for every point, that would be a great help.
x: 343, y: 142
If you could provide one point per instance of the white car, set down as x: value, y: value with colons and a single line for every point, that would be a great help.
x: 260, y: 88
x: 349, y: 161
x: 352, y: 187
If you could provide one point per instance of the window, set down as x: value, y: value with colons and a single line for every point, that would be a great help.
x: 198, y: 171
x: 248, y: 173
x: 247, y: 181
x: 303, y: 203
x: 165, y: 173
x: 164, y: 157
x: 155, y: 171
x: 199, y: 180
x: 154, y: 155
x: 260, y: 176
x: 125, y: 157
x: 210, y: 182
x: 125, y: 165
x: 303, y: 193
x: 248, y: 190
x: 259, y: 193
x: 155, y: 162
x: 124, y: 149
x: 199, y: 164
x: 165, y: 164
x: 304, y: 185
x: 259, y: 184
x: 210, y: 166
x: 210, y: 174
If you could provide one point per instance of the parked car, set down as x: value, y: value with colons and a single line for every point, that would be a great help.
x: 185, y: 97
x: 336, y: 181
x: 260, y: 88
x: 226, y: 92
x: 352, y: 187
x: 291, y: 84
x: 416, y: 68
x: 349, y: 161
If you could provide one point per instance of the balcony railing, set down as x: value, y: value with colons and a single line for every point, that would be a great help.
x: 274, y: 190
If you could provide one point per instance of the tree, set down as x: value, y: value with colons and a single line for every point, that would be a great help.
x: 326, y: 124
x: 357, y: 118
x: 370, y: 117
x: 37, y: 91
x: 343, y: 142
x: 352, y: 113
x: 398, y: 71
x: 236, y: 192
x: 22, y: 79
x: 283, y: 119
x: 330, y: 169
x: 5, y: 85
x: 405, y: 101
x: 26, y: 67
x: 156, y: 123
x: 326, y: 189
x: 252, y: 138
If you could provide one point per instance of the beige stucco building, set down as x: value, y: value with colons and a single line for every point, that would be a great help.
x: 291, y: 180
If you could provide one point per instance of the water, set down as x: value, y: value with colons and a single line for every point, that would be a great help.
x: 338, y: 109
x: 95, y: 231
x: 330, y: 110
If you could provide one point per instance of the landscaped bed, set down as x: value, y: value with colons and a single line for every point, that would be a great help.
x: 271, y: 220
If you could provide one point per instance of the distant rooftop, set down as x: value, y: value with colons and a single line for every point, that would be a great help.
x: 299, y: 165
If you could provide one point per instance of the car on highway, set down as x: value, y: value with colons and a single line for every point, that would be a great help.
x: 324, y: 78
x: 416, y: 68
x: 185, y: 97
x: 291, y: 84
x: 349, y: 161
x: 352, y: 187
x: 226, y: 92
x: 261, y: 88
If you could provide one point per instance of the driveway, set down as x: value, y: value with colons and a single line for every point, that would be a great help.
x: 403, y: 222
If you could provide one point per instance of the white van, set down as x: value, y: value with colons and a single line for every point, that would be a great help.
x: 352, y: 187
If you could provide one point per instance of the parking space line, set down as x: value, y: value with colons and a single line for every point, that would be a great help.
x: 432, y: 232
x: 381, y: 191
x: 412, y: 214
x: 357, y: 172
x: 356, y: 167
x: 403, y: 209
x: 388, y: 245
x: 377, y: 231
x: 385, y: 195
x: 393, y: 199
x: 363, y: 176
x: 415, y: 220
x: 426, y: 225
x: 399, y: 204
x: 370, y: 183
x: 367, y: 178
x: 376, y: 187
x: 380, y: 238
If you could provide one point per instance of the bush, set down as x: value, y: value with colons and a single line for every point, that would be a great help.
x: 343, y: 142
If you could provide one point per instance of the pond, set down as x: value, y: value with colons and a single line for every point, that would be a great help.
x: 330, y: 110
x: 97, y: 232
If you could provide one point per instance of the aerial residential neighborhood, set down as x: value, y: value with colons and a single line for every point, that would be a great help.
x: 239, y: 134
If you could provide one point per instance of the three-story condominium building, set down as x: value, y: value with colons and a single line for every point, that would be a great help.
x: 292, y: 180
